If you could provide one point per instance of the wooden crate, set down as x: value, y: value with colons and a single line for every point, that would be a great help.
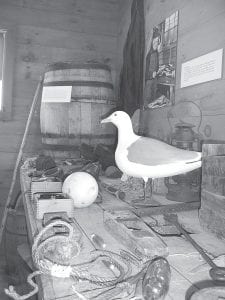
x: 133, y: 233
x: 212, y: 211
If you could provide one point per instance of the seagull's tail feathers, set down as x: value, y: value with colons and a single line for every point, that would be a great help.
x: 198, y: 159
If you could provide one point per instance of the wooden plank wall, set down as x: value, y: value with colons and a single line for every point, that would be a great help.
x: 50, y: 31
x: 201, y: 30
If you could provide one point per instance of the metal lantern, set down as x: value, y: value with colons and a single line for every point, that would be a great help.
x: 184, y: 137
x: 184, y: 187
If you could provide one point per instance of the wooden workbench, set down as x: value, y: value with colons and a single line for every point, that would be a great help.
x: 188, y: 270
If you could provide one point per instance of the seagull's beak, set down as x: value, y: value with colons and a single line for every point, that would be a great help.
x: 106, y: 120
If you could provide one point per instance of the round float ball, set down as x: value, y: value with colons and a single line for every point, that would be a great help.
x: 82, y: 188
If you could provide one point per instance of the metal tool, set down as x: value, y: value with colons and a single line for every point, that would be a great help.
x: 150, y: 210
x: 216, y: 273
x: 164, y: 230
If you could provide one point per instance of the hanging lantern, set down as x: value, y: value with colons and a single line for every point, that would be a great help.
x: 184, y: 187
x: 184, y: 137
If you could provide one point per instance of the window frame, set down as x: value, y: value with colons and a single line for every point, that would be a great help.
x: 7, y: 72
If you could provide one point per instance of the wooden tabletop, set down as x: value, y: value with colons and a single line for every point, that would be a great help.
x: 189, y: 273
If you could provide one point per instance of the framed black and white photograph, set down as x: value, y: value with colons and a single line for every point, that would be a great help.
x: 160, y: 64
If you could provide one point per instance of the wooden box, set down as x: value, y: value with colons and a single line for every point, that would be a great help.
x: 212, y: 211
x: 45, y: 187
x: 52, y: 203
x: 134, y: 234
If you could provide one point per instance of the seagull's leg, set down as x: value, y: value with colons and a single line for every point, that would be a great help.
x: 145, y: 185
x: 150, y: 187
x: 147, y: 190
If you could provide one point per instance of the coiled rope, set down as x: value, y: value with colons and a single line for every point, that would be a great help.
x: 54, y: 268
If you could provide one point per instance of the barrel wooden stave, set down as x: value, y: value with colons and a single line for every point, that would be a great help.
x: 92, y: 92
x: 78, y: 123
x: 54, y: 118
x: 65, y: 126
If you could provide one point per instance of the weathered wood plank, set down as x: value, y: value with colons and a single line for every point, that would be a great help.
x: 21, y: 110
x: 212, y: 221
x: 214, y: 201
x: 192, y: 13
x: 95, y: 119
x: 200, y: 15
x: 24, y: 89
x: 145, y: 241
x: 5, y: 178
x: 13, y: 142
x: 75, y: 120
x: 17, y: 126
x: 100, y: 9
x: 212, y: 212
x: 213, y: 149
x: 4, y: 193
x: 49, y: 54
x: 76, y: 23
x: 7, y: 160
x: 85, y: 40
x: 203, y: 95
x: 214, y: 184
x: 85, y: 119
x: 54, y: 119
x: 214, y: 166
x: 209, y: 36
x: 30, y: 70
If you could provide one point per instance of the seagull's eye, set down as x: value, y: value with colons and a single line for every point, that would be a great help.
x: 115, y: 114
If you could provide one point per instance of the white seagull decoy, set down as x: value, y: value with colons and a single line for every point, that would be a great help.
x: 148, y: 158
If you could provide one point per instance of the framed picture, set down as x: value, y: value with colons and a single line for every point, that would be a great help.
x: 160, y: 64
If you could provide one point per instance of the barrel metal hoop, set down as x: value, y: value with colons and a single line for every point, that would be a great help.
x: 80, y: 83
x: 68, y: 65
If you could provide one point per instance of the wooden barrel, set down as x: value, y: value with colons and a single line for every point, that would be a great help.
x: 66, y: 125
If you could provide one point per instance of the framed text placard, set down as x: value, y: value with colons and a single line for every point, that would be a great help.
x: 202, y: 69
x: 56, y: 93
